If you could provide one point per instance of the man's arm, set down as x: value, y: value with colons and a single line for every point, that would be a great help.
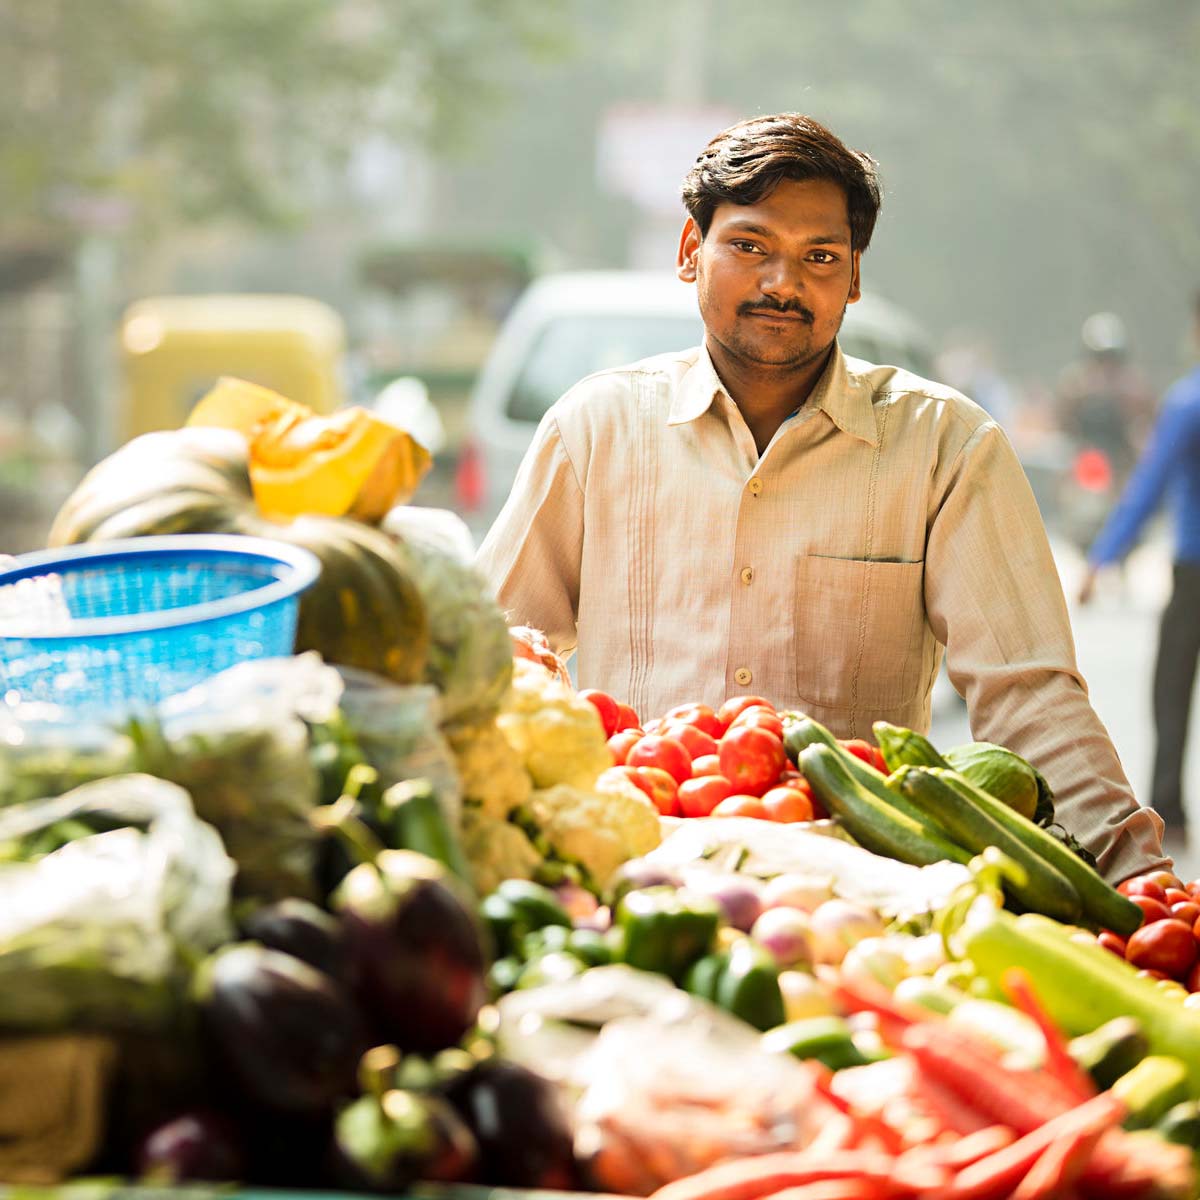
x: 532, y: 554
x: 993, y: 596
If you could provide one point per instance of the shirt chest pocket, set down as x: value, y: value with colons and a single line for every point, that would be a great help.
x: 860, y: 632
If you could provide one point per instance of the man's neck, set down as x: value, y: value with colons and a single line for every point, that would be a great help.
x: 765, y: 395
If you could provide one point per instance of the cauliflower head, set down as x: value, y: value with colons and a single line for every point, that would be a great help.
x: 496, y: 850
x: 557, y: 736
x: 492, y: 775
x: 597, y: 831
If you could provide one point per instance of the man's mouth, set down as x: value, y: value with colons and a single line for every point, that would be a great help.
x: 776, y: 314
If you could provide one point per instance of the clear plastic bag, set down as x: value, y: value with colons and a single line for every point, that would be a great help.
x: 98, y: 933
x: 397, y: 731
x: 664, y: 1083
x: 239, y: 744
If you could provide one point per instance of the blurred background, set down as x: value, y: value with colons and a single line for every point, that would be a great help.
x: 346, y: 200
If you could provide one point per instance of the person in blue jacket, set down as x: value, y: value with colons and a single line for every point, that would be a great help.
x: 1168, y: 469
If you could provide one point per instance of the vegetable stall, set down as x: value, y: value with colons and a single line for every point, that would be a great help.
x: 404, y: 909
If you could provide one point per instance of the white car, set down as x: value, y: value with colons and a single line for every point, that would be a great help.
x: 568, y: 325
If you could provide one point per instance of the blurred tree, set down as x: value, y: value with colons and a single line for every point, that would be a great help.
x: 168, y: 111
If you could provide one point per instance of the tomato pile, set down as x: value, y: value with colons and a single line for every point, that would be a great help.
x: 1167, y: 946
x: 695, y: 761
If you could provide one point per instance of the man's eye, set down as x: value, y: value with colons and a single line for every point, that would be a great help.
x: 748, y: 247
x: 822, y: 256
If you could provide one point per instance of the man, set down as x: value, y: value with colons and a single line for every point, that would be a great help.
x: 1170, y: 467
x: 761, y: 514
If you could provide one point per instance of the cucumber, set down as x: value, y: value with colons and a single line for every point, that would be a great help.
x: 1102, y: 904
x: 1151, y: 1089
x: 804, y: 731
x: 1108, y: 1052
x: 905, y: 747
x: 873, y: 822
x: 827, y: 1039
x: 1045, y: 889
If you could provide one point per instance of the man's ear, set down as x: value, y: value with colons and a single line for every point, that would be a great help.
x: 855, y: 288
x: 689, y: 247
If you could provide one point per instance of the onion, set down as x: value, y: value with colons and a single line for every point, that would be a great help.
x: 793, y: 890
x: 837, y: 925
x: 805, y: 996
x: 738, y: 896
x: 875, y: 959
x: 784, y: 934
x: 578, y: 901
x: 599, y: 921
x: 638, y: 873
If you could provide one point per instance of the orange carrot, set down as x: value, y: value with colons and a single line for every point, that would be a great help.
x: 834, y: 1189
x: 1019, y: 987
x: 972, y: 1070
x: 995, y: 1175
x: 765, y: 1174
x: 962, y: 1152
x: 1058, y: 1166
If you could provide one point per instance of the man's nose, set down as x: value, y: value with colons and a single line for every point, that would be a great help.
x: 782, y: 277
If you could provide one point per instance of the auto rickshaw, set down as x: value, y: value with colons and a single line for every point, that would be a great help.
x: 174, y: 348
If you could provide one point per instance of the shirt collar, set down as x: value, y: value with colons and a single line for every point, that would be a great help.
x: 844, y: 395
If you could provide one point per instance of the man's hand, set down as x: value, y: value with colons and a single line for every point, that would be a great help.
x: 1087, y: 586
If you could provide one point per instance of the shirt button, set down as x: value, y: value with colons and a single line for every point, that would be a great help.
x: 755, y: 485
x: 747, y: 574
x: 742, y: 676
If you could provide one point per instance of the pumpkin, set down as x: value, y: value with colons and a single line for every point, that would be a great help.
x: 364, y: 610
x: 349, y: 463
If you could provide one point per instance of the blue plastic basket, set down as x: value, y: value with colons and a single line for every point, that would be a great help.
x: 119, y: 624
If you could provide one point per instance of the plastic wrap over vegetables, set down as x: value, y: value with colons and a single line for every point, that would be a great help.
x: 239, y: 744
x: 99, y: 932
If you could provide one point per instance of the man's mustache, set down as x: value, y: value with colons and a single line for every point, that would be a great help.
x: 787, y: 306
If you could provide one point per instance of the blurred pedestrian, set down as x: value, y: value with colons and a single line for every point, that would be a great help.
x: 1169, y: 469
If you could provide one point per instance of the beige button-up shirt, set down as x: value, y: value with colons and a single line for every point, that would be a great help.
x: 887, y: 518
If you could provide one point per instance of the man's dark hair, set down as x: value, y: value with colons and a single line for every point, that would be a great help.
x: 745, y: 162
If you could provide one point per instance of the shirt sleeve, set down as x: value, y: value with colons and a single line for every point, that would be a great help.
x: 531, y: 555
x: 1144, y: 491
x: 994, y: 599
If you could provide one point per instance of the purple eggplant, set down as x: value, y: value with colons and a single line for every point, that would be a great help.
x: 298, y: 927
x: 285, y: 1034
x: 418, y: 959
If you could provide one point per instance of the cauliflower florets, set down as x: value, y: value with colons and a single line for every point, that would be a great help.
x: 496, y: 850
x: 491, y: 773
x: 557, y: 736
x: 596, y: 830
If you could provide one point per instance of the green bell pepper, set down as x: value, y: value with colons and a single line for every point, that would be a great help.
x: 743, y: 981
x: 516, y: 908
x: 665, y: 929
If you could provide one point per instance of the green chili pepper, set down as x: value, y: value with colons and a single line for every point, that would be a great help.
x: 516, y: 908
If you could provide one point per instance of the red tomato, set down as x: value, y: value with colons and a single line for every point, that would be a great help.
x: 1147, y: 973
x: 751, y: 758
x: 664, y: 752
x: 699, y: 795
x: 1192, y: 888
x: 871, y: 755
x: 1152, y: 909
x: 761, y: 718
x: 698, y: 716
x: 1143, y: 885
x: 1174, y: 895
x: 735, y: 705
x: 1166, y: 946
x: 1165, y: 879
x: 1192, y: 982
x: 787, y: 804
x: 1187, y: 911
x: 741, y: 805
x: 621, y: 743
x: 698, y: 742
x: 654, y: 725
x: 706, y: 764
x: 627, y: 718
x: 1112, y: 941
x: 660, y: 787
x: 606, y: 706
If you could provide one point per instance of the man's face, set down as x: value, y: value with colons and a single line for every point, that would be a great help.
x: 773, y: 279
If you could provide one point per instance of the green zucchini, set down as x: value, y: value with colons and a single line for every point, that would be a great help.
x: 871, y: 821
x: 1108, y: 1052
x: 827, y: 1039
x: 905, y: 747
x: 1044, y: 889
x: 804, y: 731
x: 1181, y: 1124
x: 1151, y: 1089
x: 1102, y: 904
x: 1081, y: 985
x: 997, y: 771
